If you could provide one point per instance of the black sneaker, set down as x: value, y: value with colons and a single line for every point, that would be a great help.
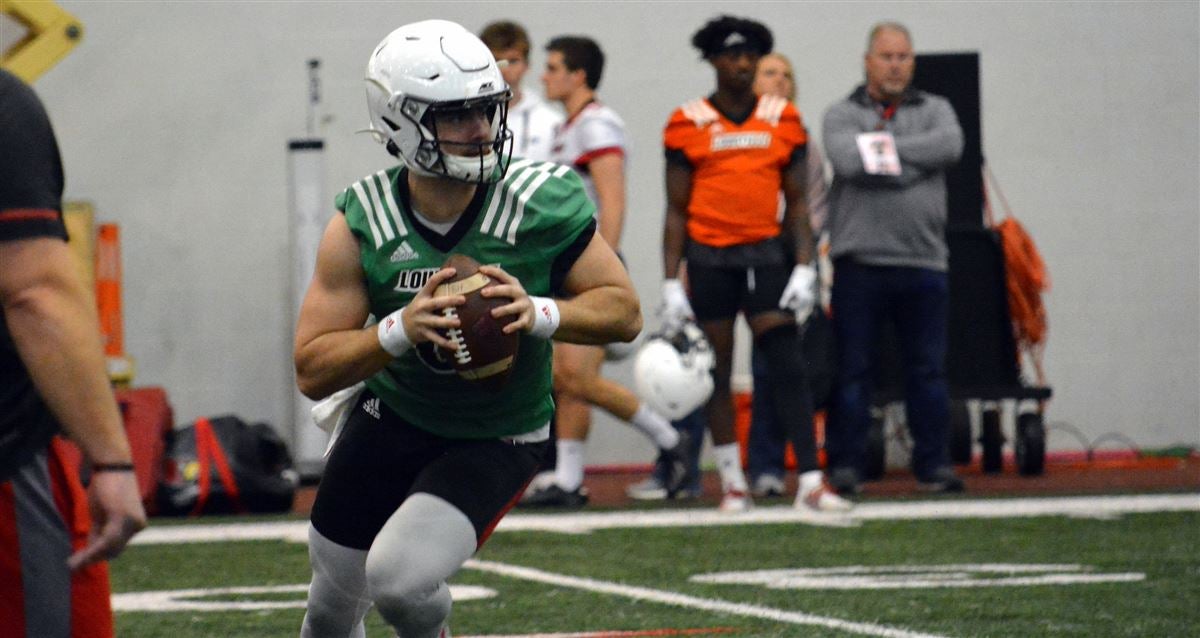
x: 555, y: 497
x: 943, y: 480
x: 681, y: 466
x: 844, y: 481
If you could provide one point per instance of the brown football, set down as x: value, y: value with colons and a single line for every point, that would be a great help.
x: 485, y: 354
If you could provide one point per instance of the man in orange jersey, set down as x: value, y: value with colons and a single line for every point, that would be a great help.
x: 728, y: 157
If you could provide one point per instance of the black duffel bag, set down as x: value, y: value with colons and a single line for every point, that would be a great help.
x: 223, y: 465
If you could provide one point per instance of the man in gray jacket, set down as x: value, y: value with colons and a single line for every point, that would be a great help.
x: 890, y: 146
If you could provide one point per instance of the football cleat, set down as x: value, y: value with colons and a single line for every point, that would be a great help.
x: 735, y: 501
x: 767, y: 486
x: 555, y: 497
x: 821, y: 498
x: 650, y: 489
x: 681, y: 465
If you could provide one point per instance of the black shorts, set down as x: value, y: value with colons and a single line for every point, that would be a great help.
x: 377, y: 462
x: 721, y: 292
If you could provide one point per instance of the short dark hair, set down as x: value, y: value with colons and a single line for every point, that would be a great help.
x: 506, y: 34
x: 726, y: 32
x: 580, y: 52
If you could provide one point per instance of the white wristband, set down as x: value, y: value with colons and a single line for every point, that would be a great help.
x: 545, y: 317
x: 391, y: 334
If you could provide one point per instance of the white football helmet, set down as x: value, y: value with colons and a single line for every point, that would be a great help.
x: 673, y: 372
x: 430, y: 68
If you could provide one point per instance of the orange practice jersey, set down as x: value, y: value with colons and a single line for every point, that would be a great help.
x: 736, y: 168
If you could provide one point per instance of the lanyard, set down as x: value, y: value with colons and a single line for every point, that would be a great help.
x: 885, y: 114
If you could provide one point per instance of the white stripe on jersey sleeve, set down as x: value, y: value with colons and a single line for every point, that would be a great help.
x: 499, y: 190
x: 770, y: 108
x: 385, y: 185
x: 700, y: 112
x: 521, y: 201
x: 376, y: 202
x: 505, y: 208
x: 366, y: 204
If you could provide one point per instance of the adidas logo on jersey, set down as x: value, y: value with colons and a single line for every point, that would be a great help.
x: 403, y: 252
x: 371, y: 406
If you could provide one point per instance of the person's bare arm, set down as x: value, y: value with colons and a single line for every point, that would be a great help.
x: 608, y: 175
x: 53, y: 322
x: 679, y: 192
x: 333, y: 349
x: 796, y: 229
x: 602, y: 306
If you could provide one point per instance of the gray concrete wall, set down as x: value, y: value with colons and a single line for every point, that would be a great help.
x: 173, y: 119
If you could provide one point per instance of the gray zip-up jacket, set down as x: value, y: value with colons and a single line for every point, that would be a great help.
x: 891, y: 220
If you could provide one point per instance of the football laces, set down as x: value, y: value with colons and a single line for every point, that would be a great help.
x: 462, y: 355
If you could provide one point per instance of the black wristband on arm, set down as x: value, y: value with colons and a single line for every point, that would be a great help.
x: 112, y: 467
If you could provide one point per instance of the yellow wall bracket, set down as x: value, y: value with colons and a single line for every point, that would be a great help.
x: 51, y: 33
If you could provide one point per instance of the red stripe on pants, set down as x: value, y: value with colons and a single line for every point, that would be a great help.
x: 91, y: 598
x: 91, y: 607
x: 12, y: 598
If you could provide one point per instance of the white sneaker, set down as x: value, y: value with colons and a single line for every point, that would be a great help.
x: 767, y: 485
x: 735, y: 501
x: 647, y: 490
x: 821, y: 498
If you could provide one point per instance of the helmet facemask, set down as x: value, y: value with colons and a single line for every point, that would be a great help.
x: 466, y: 161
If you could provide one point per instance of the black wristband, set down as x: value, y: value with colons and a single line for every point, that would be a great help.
x: 112, y: 467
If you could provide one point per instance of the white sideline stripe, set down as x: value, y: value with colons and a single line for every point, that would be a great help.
x: 1103, y: 507
x: 692, y: 602
x: 173, y: 600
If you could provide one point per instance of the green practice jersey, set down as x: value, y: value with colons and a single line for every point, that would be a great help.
x: 522, y: 224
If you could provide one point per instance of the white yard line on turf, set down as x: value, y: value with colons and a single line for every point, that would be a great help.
x: 692, y: 602
x: 1102, y: 507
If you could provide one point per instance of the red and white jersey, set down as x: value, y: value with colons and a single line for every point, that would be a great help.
x: 596, y: 130
x: 737, y: 168
x: 533, y: 122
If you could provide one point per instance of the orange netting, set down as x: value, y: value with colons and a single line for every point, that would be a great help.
x: 1025, y: 278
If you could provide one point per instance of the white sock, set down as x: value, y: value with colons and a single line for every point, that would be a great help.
x: 568, y: 470
x: 810, y: 481
x: 729, y: 464
x: 655, y: 426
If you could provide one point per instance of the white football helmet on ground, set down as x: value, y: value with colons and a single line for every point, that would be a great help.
x: 437, y: 67
x: 673, y: 372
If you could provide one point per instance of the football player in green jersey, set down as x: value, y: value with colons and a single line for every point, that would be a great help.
x: 426, y: 463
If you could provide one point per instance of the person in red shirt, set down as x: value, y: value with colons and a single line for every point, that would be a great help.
x: 729, y: 155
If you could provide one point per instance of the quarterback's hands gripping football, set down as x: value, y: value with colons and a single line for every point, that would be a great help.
x: 534, y: 315
x: 676, y: 309
x: 800, y: 293
x: 422, y: 319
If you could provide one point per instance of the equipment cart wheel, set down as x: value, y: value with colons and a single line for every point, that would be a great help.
x: 960, y: 433
x: 992, y: 440
x: 876, y: 462
x: 1030, y: 446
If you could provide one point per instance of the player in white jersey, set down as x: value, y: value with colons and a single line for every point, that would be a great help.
x: 593, y: 132
x: 593, y: 143
x: 532, y: 120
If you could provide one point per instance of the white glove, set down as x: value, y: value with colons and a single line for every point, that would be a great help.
x: 675, y: 309
x: 800, y: 294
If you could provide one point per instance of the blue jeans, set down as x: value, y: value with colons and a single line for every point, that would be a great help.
x: 916, y: 301
x: 767, y: 440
